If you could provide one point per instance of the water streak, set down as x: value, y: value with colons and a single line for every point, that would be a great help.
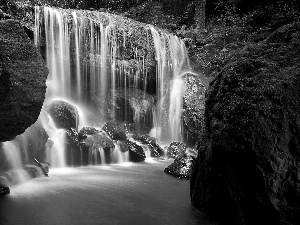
x: 13, y: 155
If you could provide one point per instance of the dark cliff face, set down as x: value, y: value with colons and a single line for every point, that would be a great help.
x: 248, y: 168
x: 22, y: 80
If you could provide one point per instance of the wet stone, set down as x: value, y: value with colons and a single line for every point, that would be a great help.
x: 182, y: 167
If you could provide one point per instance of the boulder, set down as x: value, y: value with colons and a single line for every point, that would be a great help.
x: 116, y: 130
x: 176, y: 149
x: 182, y: 167
x: 193, y: 109
x: 156, y: 150
x: 136, y: 152
x: 4, y: 190
x: 248, y: 165
x: 90, y: 148
x: 23, y: 77
x: 99, y: 140
x: 64, y: 114
x: 87, y: 131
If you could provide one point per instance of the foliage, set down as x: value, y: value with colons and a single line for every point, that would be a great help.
x: 230, y: 31
x: 153, y: 13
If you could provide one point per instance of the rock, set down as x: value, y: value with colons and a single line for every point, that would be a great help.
x: 37, y: 170
x: 156, y: 150
x: 4, y: 190
x: 99, y: 140
x: 91, y: 147
x: 116, y: 130
x: 136, y: 152
x: 248, y: 165
x: 192, y: 110
x: 182, y: 167
x: 87, y: 131
x: 176, y: 149
x: 22, y: 81
x: 123, y: 146
x: 64, y: 114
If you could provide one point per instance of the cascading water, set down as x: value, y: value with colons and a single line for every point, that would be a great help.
x: 55, y: 146
x: 172, y: 65
x: 93, y: 55
x: 119, y: 156
x: 13, y: 156
x: 89, y: 56
x: 86, y: 56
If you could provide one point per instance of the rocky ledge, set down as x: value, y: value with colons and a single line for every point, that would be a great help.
x: 248, y: 166
x: 22, y: 80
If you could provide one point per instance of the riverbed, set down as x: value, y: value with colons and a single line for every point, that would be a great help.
x: 115, y: 194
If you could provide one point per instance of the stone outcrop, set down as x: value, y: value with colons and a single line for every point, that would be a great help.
x: 64, y: 114
x: 193, y: 109
x: 136, y: 152
x: 156, y: 150
x: 22, y: 80
x: 248, y: 165
x: 116, y: 130
x: 182, y: 167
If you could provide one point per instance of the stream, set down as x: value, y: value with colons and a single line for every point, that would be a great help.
x: 127, y: 193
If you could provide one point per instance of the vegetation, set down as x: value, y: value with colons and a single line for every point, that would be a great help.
x: 230, y: 31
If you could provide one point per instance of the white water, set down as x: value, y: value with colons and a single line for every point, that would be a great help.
x: 119, y: 156
x: 173, y: 64
x: 55, y: 153
x: 13, y: 156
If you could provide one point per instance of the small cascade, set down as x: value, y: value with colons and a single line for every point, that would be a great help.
x: 96, y: 156
x: 172, y: 65
x: 55, y: 146
x: 13, y: 156
x: 119, y: 156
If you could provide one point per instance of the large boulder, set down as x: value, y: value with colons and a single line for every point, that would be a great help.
x: 116, y: 130
x: 248, y: 165
x: 64, y: 114
x: 136, y: 152
x: 23, y: 77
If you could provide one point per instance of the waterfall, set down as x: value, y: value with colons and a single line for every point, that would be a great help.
x: 13, y: 155
x: 55, y: 146
x: 172, y: 65
x: 119, y: 156
x: 93, y: 54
